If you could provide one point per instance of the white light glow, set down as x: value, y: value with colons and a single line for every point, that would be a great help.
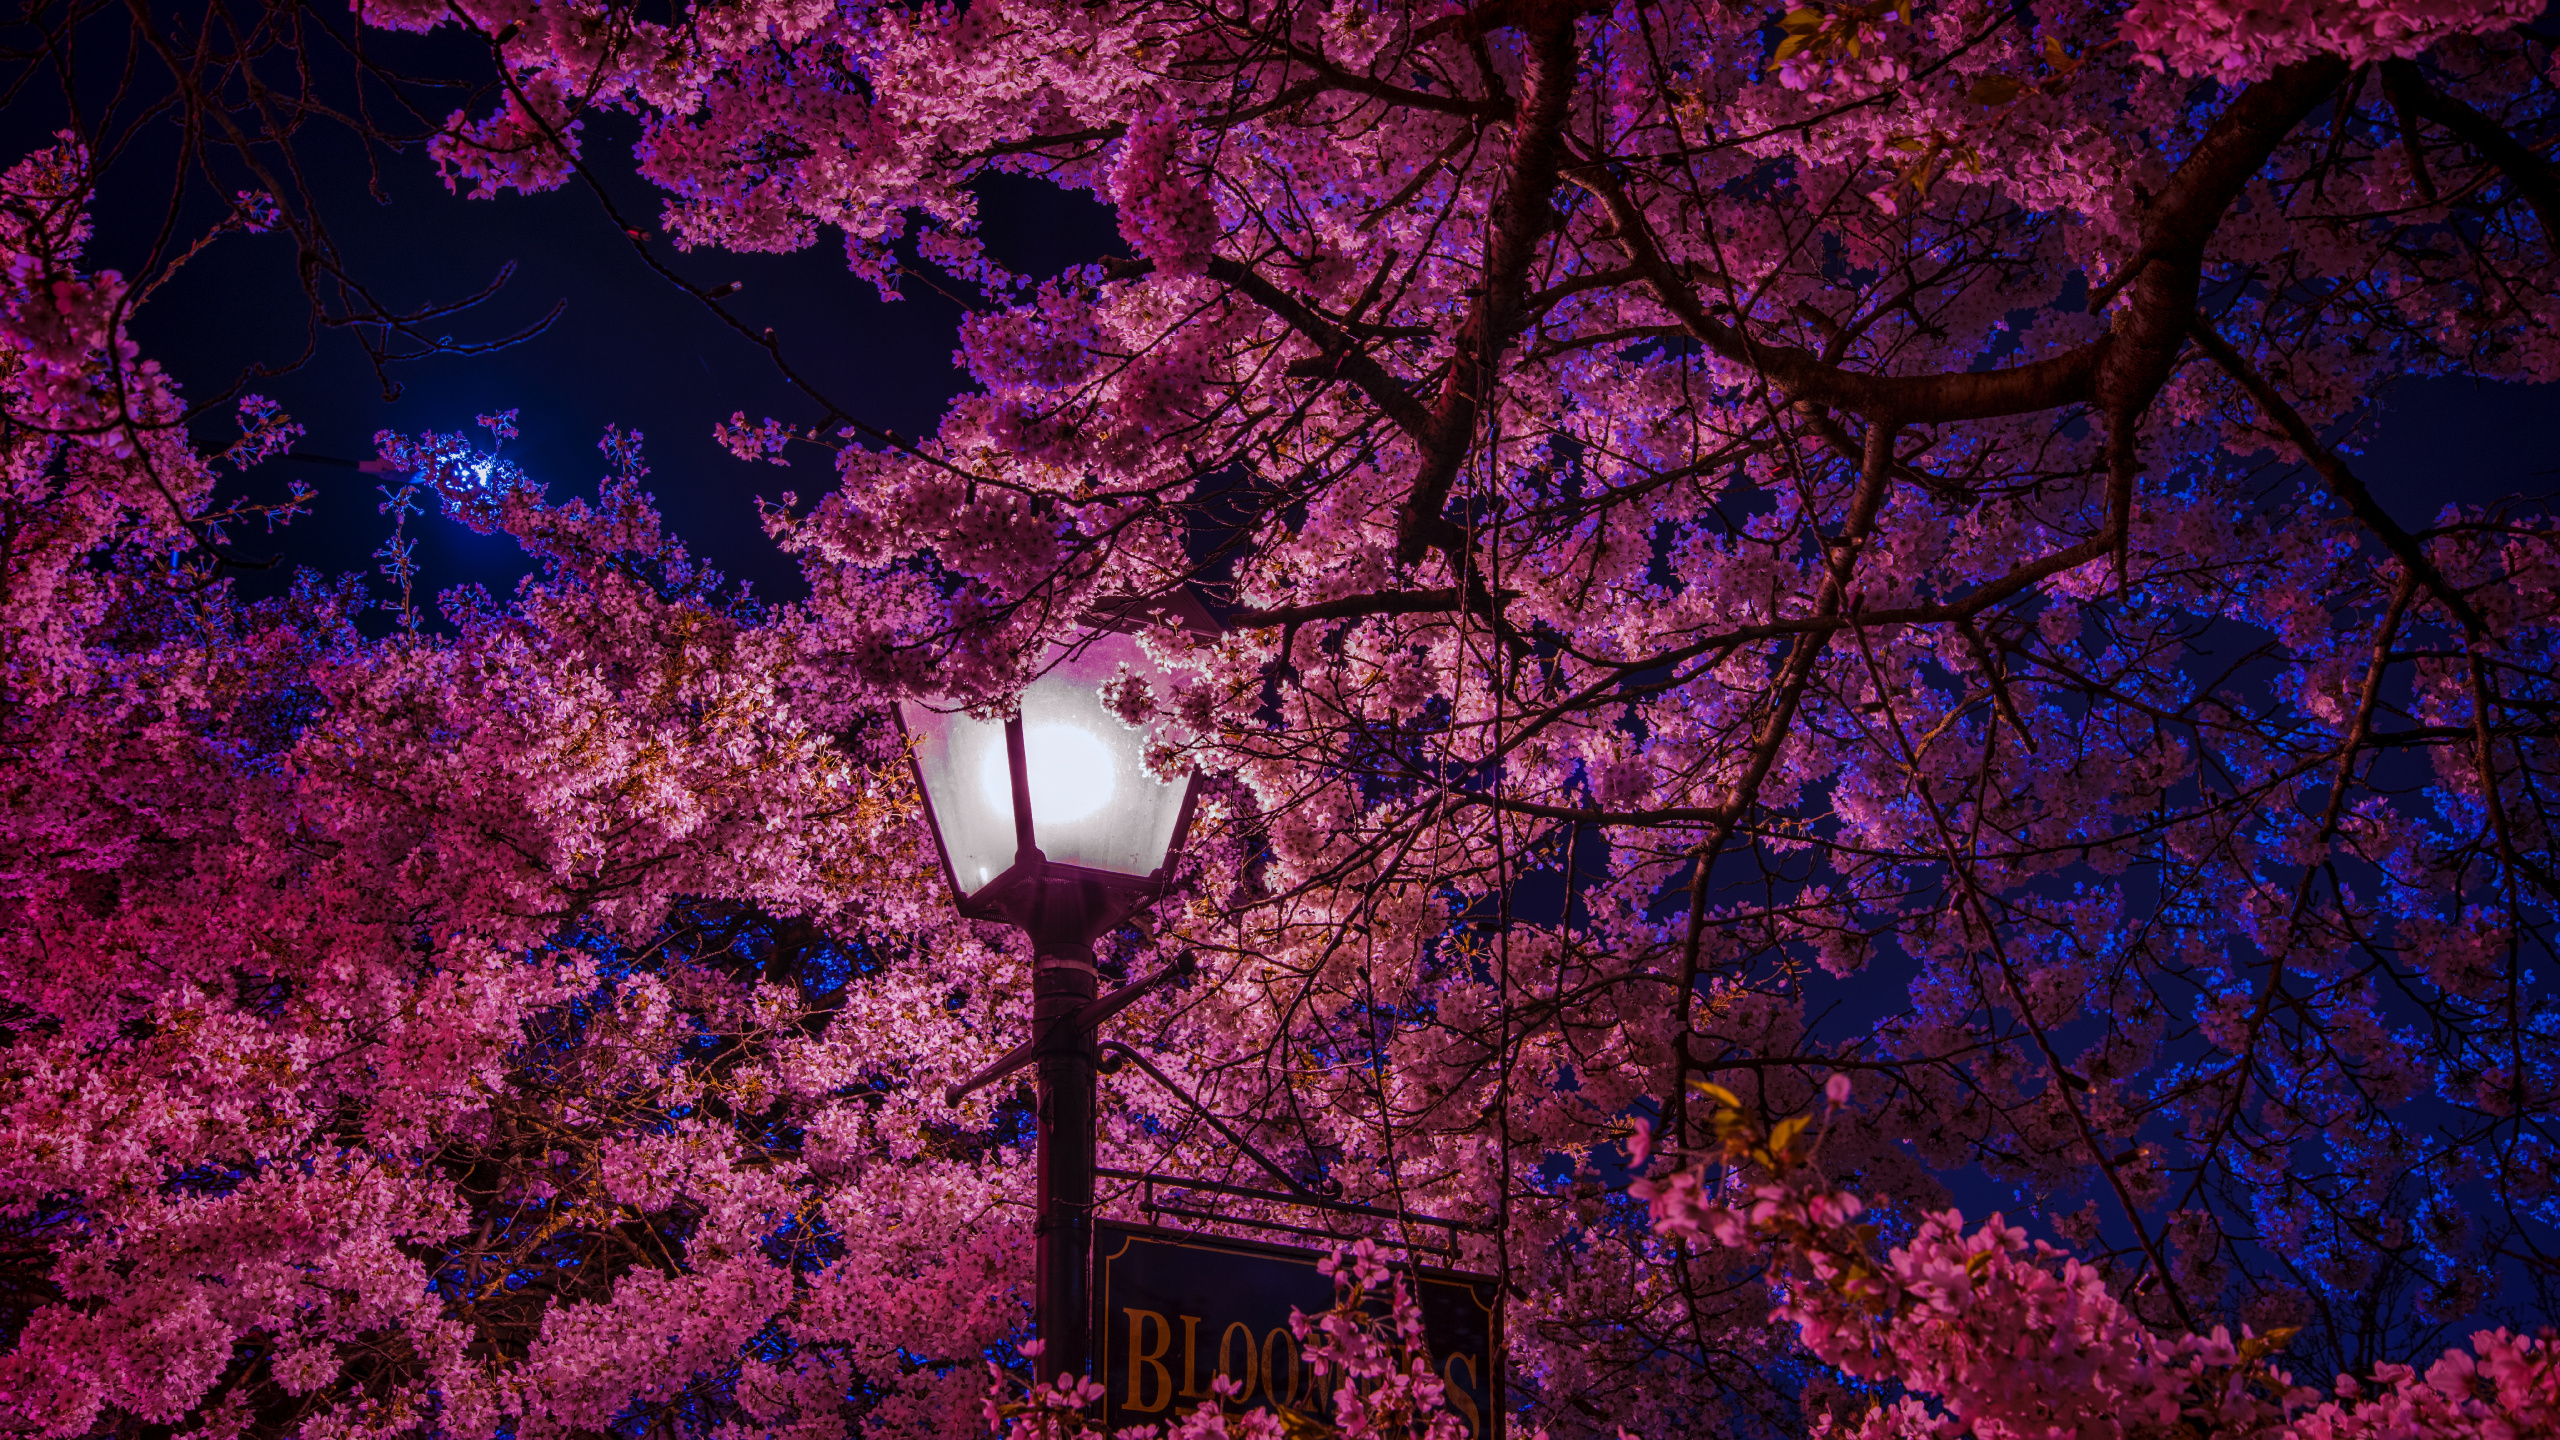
x: 1071, y: 773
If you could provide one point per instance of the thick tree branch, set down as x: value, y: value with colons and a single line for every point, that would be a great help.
x: 2151, y: 327
x: 1919, y: 399
x: 1384, y: 602
x: 1342, y: 349
x: 1520, y: 222
x: 2184, y: 215
x: 2527, y: 171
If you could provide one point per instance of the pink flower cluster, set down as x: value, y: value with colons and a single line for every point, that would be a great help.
x: 1994, y: 1337
x: 2241, y: 40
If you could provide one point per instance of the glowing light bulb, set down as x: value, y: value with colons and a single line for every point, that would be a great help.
x: 1071, y: 773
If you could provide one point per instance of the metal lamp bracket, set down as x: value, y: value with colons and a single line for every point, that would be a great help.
x: 1084, y: 1021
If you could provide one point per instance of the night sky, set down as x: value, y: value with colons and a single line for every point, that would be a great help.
x: 627, y: 349
x: 631, y: 350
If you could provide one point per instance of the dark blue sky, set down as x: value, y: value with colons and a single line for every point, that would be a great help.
x: 628, y: 348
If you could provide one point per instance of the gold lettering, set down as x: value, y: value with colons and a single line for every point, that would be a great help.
x: 1459, y: 1399
x: 1154, y: 1359
x: 1190, y: 1359
x: 1244, y: 1385
x: 1271, y: 1372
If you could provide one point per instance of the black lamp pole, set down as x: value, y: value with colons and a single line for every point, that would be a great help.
x: 1062, y: 985
x: 1064, y: 901
x: 1065, y: 1013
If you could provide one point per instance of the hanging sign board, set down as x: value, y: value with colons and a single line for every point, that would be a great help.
x: 1173, y: 1310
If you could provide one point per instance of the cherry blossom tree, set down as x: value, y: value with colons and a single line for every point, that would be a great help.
x: 1756, y: 546
x: 1989, y: 1336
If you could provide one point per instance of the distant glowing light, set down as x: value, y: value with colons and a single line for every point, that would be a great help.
x: 1071, y: 773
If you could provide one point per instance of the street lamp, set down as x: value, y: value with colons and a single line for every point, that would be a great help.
x: 1048, y: 820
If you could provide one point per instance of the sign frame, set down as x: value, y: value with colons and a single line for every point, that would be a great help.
x: 1113, y: 1238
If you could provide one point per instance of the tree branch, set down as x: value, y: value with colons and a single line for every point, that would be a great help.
x: 1347, y: 358
x: 1382, y: 602
x: 2342, y: 481
x: 1874, y: 480
x: 1520, y: 221
x: 2408, y: 88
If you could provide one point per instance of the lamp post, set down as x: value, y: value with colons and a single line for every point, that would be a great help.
x: 1048, y: 820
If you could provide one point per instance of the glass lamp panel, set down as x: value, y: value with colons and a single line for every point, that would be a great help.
x: 1092, y: 801
x: 974, y: 821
